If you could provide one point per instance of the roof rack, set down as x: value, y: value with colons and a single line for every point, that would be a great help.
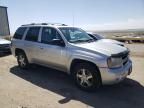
x: 55, y: 24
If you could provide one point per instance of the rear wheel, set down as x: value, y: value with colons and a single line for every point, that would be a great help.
x: 86, y: 77
x: 22, y: 60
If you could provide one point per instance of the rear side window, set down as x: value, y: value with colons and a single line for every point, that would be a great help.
x: 32, y: 34
x: 19, y: 33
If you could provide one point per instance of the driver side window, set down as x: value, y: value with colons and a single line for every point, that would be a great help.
x: 49, y: 34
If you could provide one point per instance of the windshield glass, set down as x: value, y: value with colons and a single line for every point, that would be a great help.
x: 74, y: 35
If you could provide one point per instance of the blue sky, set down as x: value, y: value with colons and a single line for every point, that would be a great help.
x: 88, y: 14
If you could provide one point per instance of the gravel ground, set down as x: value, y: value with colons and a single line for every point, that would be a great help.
x: 136, y: 49
x: 41, y: 87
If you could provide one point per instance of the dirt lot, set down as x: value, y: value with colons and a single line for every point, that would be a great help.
x: 136, y: 49
x: 41, y: 87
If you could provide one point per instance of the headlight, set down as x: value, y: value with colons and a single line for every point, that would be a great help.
x: 114, y: 62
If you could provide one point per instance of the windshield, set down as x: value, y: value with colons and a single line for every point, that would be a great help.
x: 75, y: 35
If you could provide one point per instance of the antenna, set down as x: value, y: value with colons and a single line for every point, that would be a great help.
x: 73, y: 21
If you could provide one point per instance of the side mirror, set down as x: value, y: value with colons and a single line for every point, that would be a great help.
x: 58, y: 42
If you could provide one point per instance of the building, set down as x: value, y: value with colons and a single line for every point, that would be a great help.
x: 4, y: 23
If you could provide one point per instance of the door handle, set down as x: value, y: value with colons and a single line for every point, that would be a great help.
x: 41, y: 48
x: 27, y: 45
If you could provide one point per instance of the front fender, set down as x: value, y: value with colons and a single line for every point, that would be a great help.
x: 99, y: 60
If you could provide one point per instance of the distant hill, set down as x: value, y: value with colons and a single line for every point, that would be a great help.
x: 119, y: 31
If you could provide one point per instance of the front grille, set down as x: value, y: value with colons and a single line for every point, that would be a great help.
x: 4, y: 46
x: 125, y: 59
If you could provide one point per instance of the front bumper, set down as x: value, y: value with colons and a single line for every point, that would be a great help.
x: 4, y: 50
x: 111, y: 76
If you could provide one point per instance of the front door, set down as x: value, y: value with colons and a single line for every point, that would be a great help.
x: 49, y: 53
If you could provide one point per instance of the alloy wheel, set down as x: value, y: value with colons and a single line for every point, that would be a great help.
x: 84, y: 78
x: 22, y: 61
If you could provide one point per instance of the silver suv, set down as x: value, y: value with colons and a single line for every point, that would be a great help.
x: 91, y: 63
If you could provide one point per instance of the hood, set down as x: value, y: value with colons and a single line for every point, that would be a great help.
x: 101, y: 47
x: 112, y: 41
x: 4, y: 41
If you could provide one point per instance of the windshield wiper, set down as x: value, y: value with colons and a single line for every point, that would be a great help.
x: 80, y: 40
x: 90, y: 40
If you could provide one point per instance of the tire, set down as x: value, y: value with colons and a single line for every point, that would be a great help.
x: 22, y: 60
x: 86, y: 77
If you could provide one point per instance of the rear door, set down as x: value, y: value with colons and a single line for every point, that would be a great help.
x: 31, y: 43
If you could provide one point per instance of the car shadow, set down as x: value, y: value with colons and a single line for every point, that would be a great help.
x: 128, y: 94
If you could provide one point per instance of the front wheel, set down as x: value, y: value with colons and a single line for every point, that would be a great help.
x: 87, y: 77
x: 22, y: 60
